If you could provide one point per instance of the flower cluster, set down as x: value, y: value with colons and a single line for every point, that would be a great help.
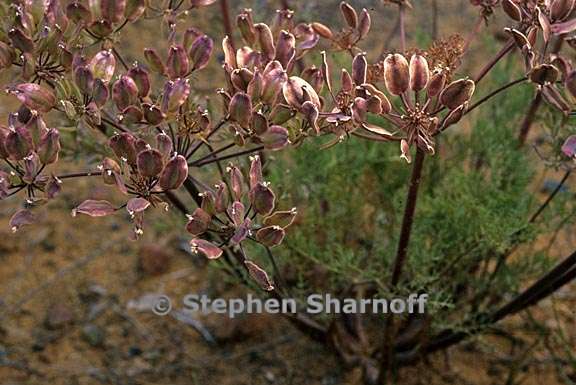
x: 237, y: 211
x: 151, y: 130
x: 153, y: 133
x: 550, y: 71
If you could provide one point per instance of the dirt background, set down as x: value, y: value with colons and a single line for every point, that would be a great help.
x: 70, y: 290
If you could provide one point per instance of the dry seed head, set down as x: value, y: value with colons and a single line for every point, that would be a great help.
x: 265, y: 40
x: 240, y: 109
x: 419, y: 73
x: 174, y: 174
x: 200, y: 52
x: 286, y: 48
x: 322, y: 30
x: 150, y: 163
x: 364, y: 24
x: 177, y: 64
x: 349, y: 14
x: 396, y: 74
x: 457, y: 93
x: 297, y: 91
x: 359, y: 68
x: 512, y: 10
x: 560, y: 9
x: 244, y: 23
x: 229, y: 53
x: 543, y: 73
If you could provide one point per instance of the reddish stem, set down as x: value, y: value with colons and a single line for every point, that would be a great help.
x: 386, y: 363
x: 226, y: 21
x: 507, y: 48
x: 401, y: 18
x: 79, y: 175
x: 229, y: 156
x: 529, y: 118
x: 409, y: 210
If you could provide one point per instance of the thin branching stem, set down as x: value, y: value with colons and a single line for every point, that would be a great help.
x: 79, y: 174
x: 494, y: 93
x: 550, y: 197
x: 120, y: 58
x: 229, y: 156
x: 529, y: 118
x: 503, y: 52
x: 213, y: 153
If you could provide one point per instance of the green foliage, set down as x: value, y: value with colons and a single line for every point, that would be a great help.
x: 473, y: 208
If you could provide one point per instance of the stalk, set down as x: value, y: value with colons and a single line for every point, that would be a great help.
x: 387, y: 361
x: 224, y: 7
x: 434, y: 20
x: 402, y: 22
x: 562, y: 274
x: 484, y: 71
x: 529, y: 118
x: 550, y: 197
x: 224, y: 157
x: 475, y: 32
x: 408, y: 219
x: 494, y: 93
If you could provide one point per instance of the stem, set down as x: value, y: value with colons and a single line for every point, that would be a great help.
x: 402, y: 26
x: 115, y: 51
x: 409, y: 210
x: 201, y: 142
x: 229, y: 156
x: 226, y: 21
x: 475, y: 32
x: 550, y: 197
x: 494, y: 93
x: 79, y: 175
x: 563, y: 273
x: 176, y: 202
x: 278, y: 278
x: 20, y: 188
x: 113, y: 124
x: 389, y: 37
x: 529, y: 118
x: 213, y: 153
x: 515, y: 241
x: 121, y: 26
x: 193, y: 191
x: 386, y: 363
x: 434, y: 20
x: 15, y: 168
x: 505, y: 49
x: 373, y: 137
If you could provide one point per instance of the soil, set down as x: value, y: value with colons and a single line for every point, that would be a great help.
x: 74, y: 290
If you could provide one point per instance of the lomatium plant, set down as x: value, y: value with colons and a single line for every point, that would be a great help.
x: 281, y: 87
